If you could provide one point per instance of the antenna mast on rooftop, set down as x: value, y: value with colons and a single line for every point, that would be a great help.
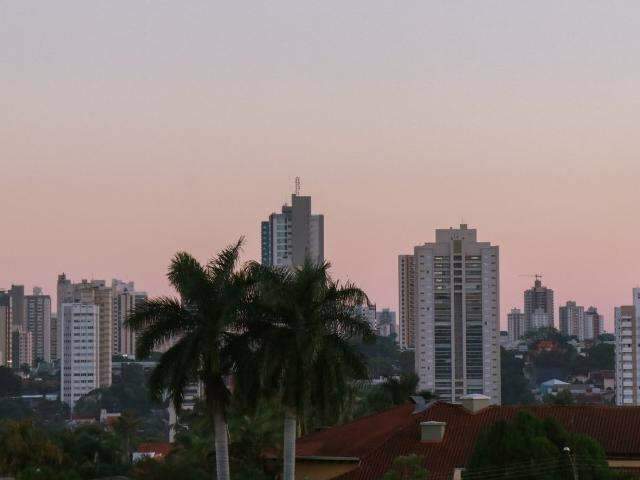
x: 297, y: 186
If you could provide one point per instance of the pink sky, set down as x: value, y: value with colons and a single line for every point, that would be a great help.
x: 129, y: 131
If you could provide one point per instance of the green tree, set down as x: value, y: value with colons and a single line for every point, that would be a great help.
x: 407, y: 467
x: 126, y: 427
x: 23, y: 445
x: 401, y: 388
x: 514, y: 384
x: 563, y: 397
x: 601, y: 357
x: 305, y: 330
x: 211, y: 300
x: 533, y: 449
x: 10, y: 383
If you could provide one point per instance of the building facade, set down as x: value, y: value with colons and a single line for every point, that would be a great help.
x: 593, y: 324
x: 80, y: 359
x: 627, y: 333
x: 540, y: 319
x: 5, y: 330
x: 94, y: 292
x: 386, y: 322
x: 21, y: 347
x: 290, y: 237
x: 515, y: 324
x: 457, y: 305
x: 536, y: 298
x: 125, y: 301
x: 38, y: 322
x: 572, y: 320
x: 406, y: 302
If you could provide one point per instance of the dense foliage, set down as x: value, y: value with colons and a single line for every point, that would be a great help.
x: 530, y: 449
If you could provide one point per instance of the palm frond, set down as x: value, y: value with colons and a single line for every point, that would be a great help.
x: 188, y: 277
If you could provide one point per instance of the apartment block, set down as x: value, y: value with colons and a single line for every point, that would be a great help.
x: 457, y: 301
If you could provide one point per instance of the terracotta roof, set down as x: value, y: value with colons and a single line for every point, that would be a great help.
x: 159, y: 448
x: 356, y: 438
x: 378, y: 439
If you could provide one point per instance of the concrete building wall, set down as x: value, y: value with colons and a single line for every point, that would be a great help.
x: 457, y: 309
x: 38, y: 322
x: 406, y: 301
x: 515, y: 324
x: 626, y: 352
x: 79, y: 365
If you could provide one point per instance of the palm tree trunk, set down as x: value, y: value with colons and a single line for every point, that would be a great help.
x: 222, y: 446
x: 289, y: 454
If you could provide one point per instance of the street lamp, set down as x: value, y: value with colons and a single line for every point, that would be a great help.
x: 567, y: 450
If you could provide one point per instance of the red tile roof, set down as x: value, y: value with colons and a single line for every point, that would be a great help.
x: 378, y: 439
x: 159, y: 448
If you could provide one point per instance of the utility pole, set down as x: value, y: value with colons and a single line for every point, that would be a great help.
x: 573, y: 463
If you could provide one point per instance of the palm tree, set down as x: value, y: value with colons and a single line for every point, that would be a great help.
x: 198, y: 324
x: 306, y: 321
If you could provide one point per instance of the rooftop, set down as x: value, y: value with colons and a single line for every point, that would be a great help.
x: 377, y: 439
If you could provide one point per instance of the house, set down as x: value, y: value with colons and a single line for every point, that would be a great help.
x: 444, y: 435
x: 553, y: 386
x: 155, y: 450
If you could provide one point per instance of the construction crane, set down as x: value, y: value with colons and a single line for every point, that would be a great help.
x: 538, y: 276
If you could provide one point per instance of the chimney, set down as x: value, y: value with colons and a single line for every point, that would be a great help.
x: 432, y: 431
x: 475, y: 402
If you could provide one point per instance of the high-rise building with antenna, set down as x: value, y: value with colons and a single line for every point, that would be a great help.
x: 290, y: 237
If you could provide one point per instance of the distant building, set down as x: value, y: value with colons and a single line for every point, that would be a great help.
x: 80, y: 359
x: 536, y: 298
x: 5, y: 330
x: 457, y: 315
x: 54, y: 350
x: 38, y: 322
x: 16, y: 297
x: 369, y: 314
x: 516, y: 324
x: 125, y: 301
x: 406, y: 301
x: 94, y: 292
x: 627, y: 333
x: 593, y: 324
x: 540, y: 319
x: 386, y: 322
x: 572, y: 320
x: 290, y: 237
x: 21, y: 347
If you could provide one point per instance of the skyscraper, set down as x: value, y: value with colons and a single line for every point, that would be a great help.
x: 125, y: 301
x: 295, y: 234
x: 627, y: 333
x: 515, y: 324
x: 593, y: 324
x: 80, y: 356
x: 94, y: 292
x: 5, y: 330
x: 457, y: 310
x: 538, y: 297
x: 386, y: 322
x: 572, y: 320
x: 38, y: 322
x: 406, y: 301
x: 21, y: 347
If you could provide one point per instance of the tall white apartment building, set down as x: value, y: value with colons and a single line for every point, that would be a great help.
x: 406, y: 301
x: 294, y: 235
x: 516, y: 324
x: 457, y: 304
x: 79, y: 363
x: 627, y: 333
x: 94, y: 292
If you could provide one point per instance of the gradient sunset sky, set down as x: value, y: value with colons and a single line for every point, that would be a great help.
x: 133, y: 129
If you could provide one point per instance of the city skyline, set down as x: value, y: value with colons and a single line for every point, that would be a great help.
x: 186, y: 125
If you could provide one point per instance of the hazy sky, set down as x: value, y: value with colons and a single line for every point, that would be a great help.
x: 132, y: 129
